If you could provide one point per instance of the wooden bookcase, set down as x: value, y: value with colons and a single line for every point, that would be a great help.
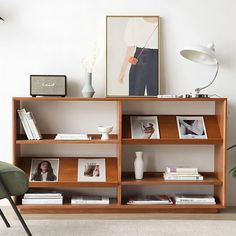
x: 116, y: 178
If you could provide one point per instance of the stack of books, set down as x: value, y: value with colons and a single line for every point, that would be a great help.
x: 29, y: 124
x: 89, y: 200
x: 42, y: 198
x: 150, y: 199
x: 72, y: 137
x: 194, y: 199
x: 182, y: 173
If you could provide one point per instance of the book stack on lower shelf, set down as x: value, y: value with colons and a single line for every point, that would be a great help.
x: 182, y: 173
x: 150, y: 199
x: 42, y: 198
x: 86, y: 200
x: 194, y: 199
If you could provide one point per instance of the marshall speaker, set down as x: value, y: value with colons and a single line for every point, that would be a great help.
x: 48, y: 85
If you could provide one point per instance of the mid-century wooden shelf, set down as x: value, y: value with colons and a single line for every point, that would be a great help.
x: 49, y: 139
x: 156, y: 178
x: 116, y: 179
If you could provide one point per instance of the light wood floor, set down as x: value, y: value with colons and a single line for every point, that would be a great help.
x: 226, y: 214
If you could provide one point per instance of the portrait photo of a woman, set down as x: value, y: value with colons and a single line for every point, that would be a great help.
x: 44, y: 170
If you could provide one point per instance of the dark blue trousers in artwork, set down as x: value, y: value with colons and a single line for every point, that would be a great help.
x: 144, y: 73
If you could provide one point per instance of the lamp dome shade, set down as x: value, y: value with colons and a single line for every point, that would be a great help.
x: 200, y: 54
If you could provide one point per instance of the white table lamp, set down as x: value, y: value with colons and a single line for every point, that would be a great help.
x: 203, y: 55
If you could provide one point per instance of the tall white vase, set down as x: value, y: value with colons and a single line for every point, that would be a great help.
x: 138, y: 165
x: 88, y: 90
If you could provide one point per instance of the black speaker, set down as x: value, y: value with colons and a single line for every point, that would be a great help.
x: 48, y: 85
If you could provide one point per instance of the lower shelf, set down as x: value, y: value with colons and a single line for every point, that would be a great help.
x: 116, y: 208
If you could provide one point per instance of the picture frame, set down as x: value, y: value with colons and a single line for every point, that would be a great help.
x: 44, y: 170
x: 191, y: 127
x: 144, y: 127
x: 132, y: 56
x: 92, y: 170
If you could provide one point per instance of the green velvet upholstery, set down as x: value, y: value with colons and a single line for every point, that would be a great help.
x: 14, y: 179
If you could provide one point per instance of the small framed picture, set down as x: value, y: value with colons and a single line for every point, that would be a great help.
x: 144, y: 127
x: 92, y: 170
x: 44, y: 170
x: 191, y: 127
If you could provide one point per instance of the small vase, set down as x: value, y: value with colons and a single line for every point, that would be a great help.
x: 138, y: 165
x: 88, y: 90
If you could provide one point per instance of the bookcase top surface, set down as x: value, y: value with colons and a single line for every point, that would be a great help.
x: 117, y: 99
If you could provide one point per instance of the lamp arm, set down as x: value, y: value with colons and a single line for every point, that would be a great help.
x: 197, y: 90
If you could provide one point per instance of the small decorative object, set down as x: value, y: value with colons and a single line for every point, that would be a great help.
x: 105, y: 130
x: 92, y: 170
x: 1, y: 19
x: 191, y: 127
x: 138, y: 165
x: 204, y: 55
x: 144, y: 127
x: 88, y: 90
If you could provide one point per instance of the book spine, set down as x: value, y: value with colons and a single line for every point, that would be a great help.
x: 42, y: 201
x: 23, y: 124
x: 183, y: 177
x: 181, y: 170
x: 33, y: 126
x: 89, y: 202
x: 27, y: 124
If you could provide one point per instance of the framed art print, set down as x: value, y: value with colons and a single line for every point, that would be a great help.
x: 44, y: 170
x: 92, y: 170
x: 144, y: 127
x: 132, y: 56
x: 191, y: 127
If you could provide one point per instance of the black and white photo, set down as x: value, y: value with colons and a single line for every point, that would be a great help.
x: 144, y: 127
x: 92, y: 170
x: 191, y: 127
x: 44, y: 170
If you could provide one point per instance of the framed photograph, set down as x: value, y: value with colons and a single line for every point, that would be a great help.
x: 144, y: 127
x: 191, y: 127
x: 132, y: 56
x: 92, y: 170
x: 44, y: 170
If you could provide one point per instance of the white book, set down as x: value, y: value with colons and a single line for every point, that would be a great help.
x: 42, y: 195
x: 72, y: 137
x: 36, y: 133
x: 23, y: 111
x: 42, y: 201
x: 182, y: 170
x: 23, y: 122
x: 89, y: 200
x: 192, y: 203
x: 181, y: 174
x: 168, y: 177
x: 194, y: 197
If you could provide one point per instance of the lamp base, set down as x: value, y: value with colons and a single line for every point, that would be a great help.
x: 201, y: 96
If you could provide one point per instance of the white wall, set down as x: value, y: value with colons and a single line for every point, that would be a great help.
x: 51, y: 37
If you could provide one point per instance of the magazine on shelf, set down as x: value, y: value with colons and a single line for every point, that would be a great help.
x: 89, y: 200
x: 144, y: 127
x: 150, y: 199
x: 194, y: 199
x: 191, y: 127
x: 92, y: 170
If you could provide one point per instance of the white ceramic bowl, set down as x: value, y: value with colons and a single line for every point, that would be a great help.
x: 105, y: 130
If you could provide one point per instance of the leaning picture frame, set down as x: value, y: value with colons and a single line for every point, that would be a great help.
x: 132, y: 56
x: 144, y: 127
x: 44, y: 170
x: 91, y: 170
x: 191, y: 127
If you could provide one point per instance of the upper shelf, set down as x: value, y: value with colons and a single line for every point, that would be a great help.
x: 116, y: 99
x: 49, y: 139
x: 169, y: 132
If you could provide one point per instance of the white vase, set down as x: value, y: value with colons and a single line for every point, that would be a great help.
x: 88, y: 90
x: 138, y: 165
